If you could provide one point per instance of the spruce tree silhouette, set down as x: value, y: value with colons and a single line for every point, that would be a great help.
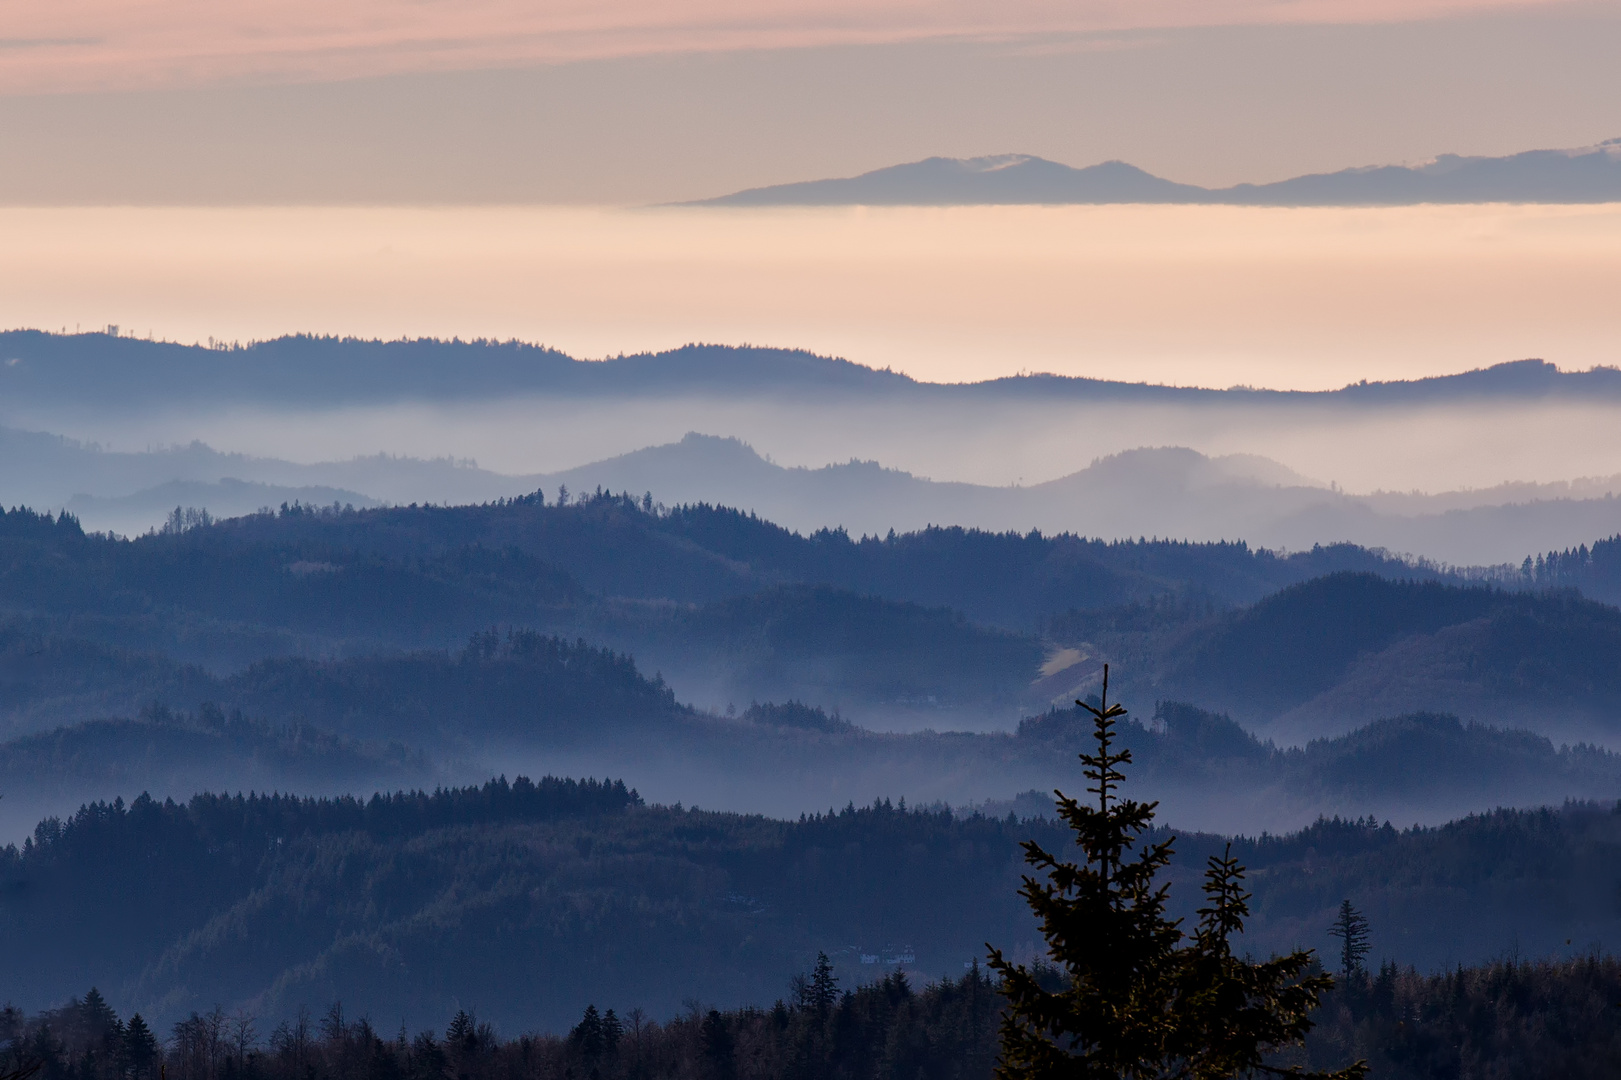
x: 1143, y: 999
x: 1351, y: 927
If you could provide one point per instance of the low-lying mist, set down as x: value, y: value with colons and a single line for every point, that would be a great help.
x: 1362, y: 449
x: 1278, y: 477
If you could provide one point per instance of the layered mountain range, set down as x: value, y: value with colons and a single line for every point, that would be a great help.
x: 320, y: 649
x: 1152, y: 492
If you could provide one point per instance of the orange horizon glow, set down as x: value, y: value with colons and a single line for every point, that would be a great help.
x: 1304, y: 299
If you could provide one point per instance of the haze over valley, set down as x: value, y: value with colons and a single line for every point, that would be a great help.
x: 1417, y: 468
x: 679, y: 540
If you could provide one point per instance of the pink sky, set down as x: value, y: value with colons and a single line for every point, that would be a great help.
x: 68, y: 45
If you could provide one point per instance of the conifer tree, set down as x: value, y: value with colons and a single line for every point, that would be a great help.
x: 587, y: 1034
x: 96, y: 1015
x: 1143, y: 999
x: 461, y: 1037
x: 140, y: 1047
x: 821, y: 992
x: 1351, y: 927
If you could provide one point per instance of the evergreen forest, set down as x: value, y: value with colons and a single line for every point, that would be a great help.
x: 582, y: 785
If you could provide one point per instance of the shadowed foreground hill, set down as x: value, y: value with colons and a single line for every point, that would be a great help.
x: 523, y: 900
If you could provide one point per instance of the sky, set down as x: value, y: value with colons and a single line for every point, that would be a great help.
x: 121, y: 44
x: 476, y: 168
x: 638, y: 101
x: 1191, y: 295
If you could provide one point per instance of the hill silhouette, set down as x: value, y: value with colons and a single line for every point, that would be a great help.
x: 97, y: 371
x: 1586, y: 175
x: 1330, y: 654
x: 523, y: 899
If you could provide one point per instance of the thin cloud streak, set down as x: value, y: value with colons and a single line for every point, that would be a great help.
x: 78, y: 45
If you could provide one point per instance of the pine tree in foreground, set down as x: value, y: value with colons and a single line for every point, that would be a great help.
x: 1143, y: 999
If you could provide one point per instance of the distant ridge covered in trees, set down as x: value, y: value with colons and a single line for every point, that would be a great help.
x: 101, y: 370
x: 254, y: 820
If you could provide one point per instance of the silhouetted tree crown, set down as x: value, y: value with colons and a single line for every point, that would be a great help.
x: 1138, y: 997
x: 1351, y: 927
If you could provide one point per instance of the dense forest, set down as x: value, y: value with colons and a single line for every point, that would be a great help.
x: 697, y: 649
x: 1509, y: 1018
x: 521, y: 900
x: 873, y: 725
x: 944, y: 628
x: 1594, y: 571
x: 530, y: 555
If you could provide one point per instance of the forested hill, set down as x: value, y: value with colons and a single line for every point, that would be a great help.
x: 1328, y: 654
x: 521, y: 901
x: 942, y: 628
x: 103, y: 372
x: 1594, y: 571
x: 519, y: 685
x: 938, y: 628
x: 345, y: 571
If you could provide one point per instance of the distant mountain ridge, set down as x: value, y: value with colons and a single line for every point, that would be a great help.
x: 1590, y: 174
x: 1165, y: 491
x: 102, y: 371
x: 1148, y: 491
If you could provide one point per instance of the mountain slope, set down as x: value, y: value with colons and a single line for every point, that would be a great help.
x: 1152, y: 491
x: 435, y: 574
x: 1157, y: 491
x: 1337, y: 652
x: 1586, y: 175
x: 1008, y: 178
x: 521, y: 900
x: 96, y: 373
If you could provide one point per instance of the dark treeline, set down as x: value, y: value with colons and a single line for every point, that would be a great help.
x: 1506, y: 1020
x: 530, y: 552
x: 520, y: 898
x: 102, y: 368
x: 524, y: 900
x: 253, y: 821
x: 1595, y: 570
x: 326, y: 369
